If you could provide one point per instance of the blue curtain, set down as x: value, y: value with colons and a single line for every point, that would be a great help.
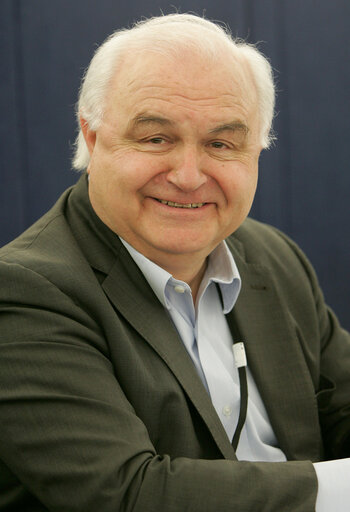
x: 304, y: 179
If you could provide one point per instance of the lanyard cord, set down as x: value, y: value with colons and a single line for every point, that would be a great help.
x: 243, y: 406
x: 242, y: 373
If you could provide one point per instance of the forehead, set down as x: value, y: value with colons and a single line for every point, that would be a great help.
x: 184, y: 86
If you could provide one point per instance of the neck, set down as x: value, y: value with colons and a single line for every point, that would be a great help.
x: 189, y: 268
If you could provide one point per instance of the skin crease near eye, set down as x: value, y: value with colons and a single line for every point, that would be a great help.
x: 170, y: 141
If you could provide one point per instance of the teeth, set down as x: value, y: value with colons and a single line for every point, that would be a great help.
x: 180, y: 205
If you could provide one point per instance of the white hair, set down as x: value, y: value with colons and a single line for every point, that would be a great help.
x: 168, y: 34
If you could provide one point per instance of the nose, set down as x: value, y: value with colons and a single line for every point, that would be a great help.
x: 186, y: 172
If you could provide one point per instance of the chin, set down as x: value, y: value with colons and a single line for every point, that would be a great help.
x: 182, y: 247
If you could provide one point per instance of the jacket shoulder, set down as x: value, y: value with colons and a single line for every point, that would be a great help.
x: 266, y: 245
x: 51, y: 224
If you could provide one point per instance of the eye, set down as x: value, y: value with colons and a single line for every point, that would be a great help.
x: 157, y: 140
x: 221, y: 150
x: 156, y: 144
x: 217, y: 144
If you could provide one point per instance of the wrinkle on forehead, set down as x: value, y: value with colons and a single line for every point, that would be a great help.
x: 190, y: 93
x: 144, y: 97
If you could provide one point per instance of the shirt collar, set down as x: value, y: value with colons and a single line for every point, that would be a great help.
x: 221, y: 269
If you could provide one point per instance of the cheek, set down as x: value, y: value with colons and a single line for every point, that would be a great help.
x: 238, y: 182
x: 121, y: 171
x: 144, y: 172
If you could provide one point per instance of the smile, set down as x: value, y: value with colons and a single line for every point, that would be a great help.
x: 180, y: 205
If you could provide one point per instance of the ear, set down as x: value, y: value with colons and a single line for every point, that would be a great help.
x: 89, y: 135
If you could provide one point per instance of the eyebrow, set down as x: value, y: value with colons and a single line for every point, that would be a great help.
x: 233, y: 127
x: 143, y: 119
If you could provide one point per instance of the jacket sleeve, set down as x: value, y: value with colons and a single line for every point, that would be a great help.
x: 71, y: 440
x: 333, y: 387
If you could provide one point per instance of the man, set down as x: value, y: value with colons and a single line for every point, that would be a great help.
x: 119, y: 308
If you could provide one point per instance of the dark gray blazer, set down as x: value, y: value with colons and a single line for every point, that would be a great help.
x: 101, y: 409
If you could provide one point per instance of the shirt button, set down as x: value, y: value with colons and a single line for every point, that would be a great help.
x: 227, y: 410
x: 179, y: 288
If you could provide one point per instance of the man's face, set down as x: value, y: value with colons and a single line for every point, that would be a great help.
x: 174, y: 164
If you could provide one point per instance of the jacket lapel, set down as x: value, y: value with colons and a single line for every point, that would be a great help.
x: 132, y: 296
x: 276, y: 360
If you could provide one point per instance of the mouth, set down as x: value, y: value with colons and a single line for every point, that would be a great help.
x: 180, y: 205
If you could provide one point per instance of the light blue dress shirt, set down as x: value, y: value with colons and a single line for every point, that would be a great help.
x: 204, y: 331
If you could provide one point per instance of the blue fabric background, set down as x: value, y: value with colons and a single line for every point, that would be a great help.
x: 305, y: 179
